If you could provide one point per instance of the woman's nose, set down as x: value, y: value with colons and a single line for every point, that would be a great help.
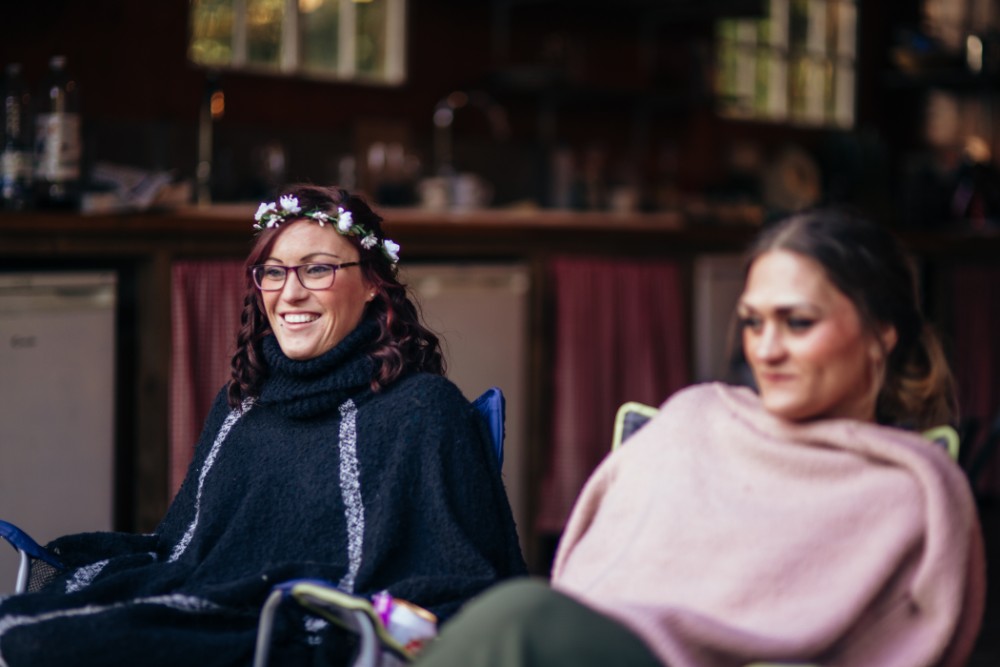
x: 293, y: 288
x: 769, y: 345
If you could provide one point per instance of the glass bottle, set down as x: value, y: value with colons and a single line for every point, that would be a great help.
x: 15, y: 149
x: 58, y: 144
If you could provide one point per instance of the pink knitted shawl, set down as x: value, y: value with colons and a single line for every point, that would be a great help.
x: 723, y: 535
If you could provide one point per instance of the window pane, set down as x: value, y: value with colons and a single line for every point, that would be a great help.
x: 371, y: 36
x: 318, y: 24
x: 211, y: 32
x: 847, y: 17
x: 337, y: 39
x: 725, y: 66
x: 264, y: 18
x: 774, y: 103
x: 844, y: 95
x: 777, y: 20
x: 803, y: 67
x: 808, y: 88
x: 817, y: 39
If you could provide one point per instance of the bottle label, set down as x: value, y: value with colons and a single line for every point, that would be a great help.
x: 59, y: 147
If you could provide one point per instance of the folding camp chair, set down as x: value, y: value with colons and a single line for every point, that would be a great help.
x: 37, y: 566
x: 632, y: 416
x: 492, y: 405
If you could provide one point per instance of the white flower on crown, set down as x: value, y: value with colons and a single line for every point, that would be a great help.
x: 319, y: 216
x: 263, y: 210
x: 344, y: 220
x: 369, y: 242
x: 391, y: 250
x: 289, y: 204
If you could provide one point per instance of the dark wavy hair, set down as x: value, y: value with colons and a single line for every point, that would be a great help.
x: 403, y: 344
x: 866, y: 262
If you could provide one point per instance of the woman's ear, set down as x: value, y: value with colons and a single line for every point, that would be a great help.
x: 886, y: 341
x: 889, y: 338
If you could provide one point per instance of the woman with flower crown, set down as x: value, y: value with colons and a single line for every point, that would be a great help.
x: 338, y: 451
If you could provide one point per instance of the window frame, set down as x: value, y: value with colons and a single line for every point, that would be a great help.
x: 290, y: 55
x: 751, y: 57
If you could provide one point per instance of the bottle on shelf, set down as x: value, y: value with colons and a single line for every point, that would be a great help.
x: 58, y: 142
x: 15, y: 147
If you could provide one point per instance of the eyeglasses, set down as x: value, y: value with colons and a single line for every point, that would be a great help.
x: 271, y: 277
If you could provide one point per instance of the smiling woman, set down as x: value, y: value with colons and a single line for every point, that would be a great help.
x: 310, y: 316
x: 319, y: 227
x: 338, y: 451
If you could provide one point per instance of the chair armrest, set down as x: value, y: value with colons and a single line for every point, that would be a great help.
x: 21, y: 541
x: 350, y: 612
x: 30, y: 551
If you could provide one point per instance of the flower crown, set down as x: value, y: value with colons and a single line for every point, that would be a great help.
x: 272, y: 215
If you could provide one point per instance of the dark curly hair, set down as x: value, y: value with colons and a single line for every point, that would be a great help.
x: 867, y: 264
x: 403, y: 344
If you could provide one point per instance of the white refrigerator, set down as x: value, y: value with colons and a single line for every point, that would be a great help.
x: 57, y: 405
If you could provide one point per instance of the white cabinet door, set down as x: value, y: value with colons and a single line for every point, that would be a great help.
x: 57, y: 394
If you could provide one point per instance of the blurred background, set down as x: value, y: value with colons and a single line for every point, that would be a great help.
x: 636, y: 105
x: 571, y: 182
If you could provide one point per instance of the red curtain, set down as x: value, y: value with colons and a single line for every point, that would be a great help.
x: 620, y: 335
x: 976, y: 321
x: 207, y: 299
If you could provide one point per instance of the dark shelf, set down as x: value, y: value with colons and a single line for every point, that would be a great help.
x: 549, y: 86
x: 954, y: 79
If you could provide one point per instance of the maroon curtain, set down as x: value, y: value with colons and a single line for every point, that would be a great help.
x: 620, y: 335
x: 207, y: 298
x: 976, y: 321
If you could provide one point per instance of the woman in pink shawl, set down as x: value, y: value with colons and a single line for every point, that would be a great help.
x: 804, y: 521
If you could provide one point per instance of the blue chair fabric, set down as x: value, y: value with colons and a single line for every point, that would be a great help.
x: 36, y: 565
x: 493, y: 407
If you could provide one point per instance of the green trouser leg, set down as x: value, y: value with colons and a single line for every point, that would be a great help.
x: 526, y: 623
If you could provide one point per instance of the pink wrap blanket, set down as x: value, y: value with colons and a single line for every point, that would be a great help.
x: 723, y: 535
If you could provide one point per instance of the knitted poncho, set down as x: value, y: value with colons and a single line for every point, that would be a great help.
x: 320, y: 477
x: 724, y: 535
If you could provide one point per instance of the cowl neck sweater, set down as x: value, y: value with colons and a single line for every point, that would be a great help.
x: 306, y: 388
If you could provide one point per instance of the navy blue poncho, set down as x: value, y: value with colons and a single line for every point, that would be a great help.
x: 319, y: 477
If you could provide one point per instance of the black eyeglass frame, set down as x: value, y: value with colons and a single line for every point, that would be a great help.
x: 333, y: 275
